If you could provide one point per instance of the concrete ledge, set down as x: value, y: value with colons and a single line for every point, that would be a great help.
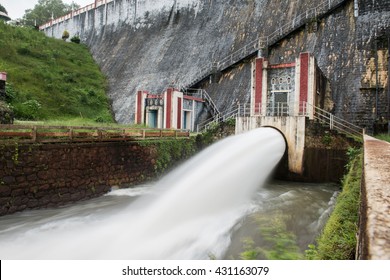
x: 374, y: 238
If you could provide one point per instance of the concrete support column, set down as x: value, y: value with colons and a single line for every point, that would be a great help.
x: 259, y: 87
x: 168, y: 108
x: 140, y: 107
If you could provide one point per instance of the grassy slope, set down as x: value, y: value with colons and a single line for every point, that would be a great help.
x: 49, y: 78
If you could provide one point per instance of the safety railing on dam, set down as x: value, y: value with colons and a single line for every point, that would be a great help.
x: 57, y: 134
x: 336, y: 123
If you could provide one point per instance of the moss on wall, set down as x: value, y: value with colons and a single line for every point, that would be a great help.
x: 169, y: 153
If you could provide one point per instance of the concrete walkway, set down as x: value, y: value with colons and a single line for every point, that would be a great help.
x: 375, y: 211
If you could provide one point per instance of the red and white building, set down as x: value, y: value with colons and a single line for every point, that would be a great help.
x: 170, y: 110
x: 286, y: 89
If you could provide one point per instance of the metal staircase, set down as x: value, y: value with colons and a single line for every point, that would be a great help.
x: 335, y: 123
x: 201, y: 93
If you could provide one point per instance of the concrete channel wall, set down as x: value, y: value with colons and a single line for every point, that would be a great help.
x: 374, y: 235
x: 36, y: 176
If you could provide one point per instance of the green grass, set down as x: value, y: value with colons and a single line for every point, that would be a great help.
x: 71, y: 122
x: 384, y: 137
x: 338, y: 239
x: 49, y: 79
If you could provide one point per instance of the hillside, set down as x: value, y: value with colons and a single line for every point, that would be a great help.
x: 51, y: 79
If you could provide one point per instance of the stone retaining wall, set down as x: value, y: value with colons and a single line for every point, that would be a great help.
x: 50, y: 175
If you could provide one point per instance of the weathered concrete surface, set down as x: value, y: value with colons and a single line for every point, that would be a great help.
x: 376, y: 199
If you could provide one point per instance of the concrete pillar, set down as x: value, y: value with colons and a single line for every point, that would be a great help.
x: 179, y: 112
x: 173, y: 109
x: 140, y: 107
x: 303, y: 78
x: 259, y: 87
x: 168, y: 108
x: 258, y: 94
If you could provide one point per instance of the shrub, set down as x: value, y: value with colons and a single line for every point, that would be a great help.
x: 75, y: 39
x: 28, y: 110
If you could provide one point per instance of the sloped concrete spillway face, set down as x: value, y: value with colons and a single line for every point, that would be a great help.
x: 189, y: 213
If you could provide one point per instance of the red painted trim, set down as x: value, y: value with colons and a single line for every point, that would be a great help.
x: 139, y: 107
x: 304, y: 79
x: 258, y: 83
x: 168, y: 113
x: 179, y: 112
x: 283, y: 65
x: 193, y: 98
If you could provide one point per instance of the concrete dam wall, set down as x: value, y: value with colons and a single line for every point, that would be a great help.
x: 150, y: 44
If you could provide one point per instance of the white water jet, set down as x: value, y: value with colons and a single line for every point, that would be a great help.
x: 188, y: 215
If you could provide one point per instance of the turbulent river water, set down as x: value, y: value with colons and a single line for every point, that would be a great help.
x: 218, y: 205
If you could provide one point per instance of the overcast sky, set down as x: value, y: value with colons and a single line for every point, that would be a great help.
x: 16, y: 8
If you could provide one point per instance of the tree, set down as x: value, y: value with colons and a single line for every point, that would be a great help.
x: 45, y: 10
x: 2, y: 9
x: 65, y: 35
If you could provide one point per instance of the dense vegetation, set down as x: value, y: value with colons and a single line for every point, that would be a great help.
x: 50, y: 78
x: 44, y: 10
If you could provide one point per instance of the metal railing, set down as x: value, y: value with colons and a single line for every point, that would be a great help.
x: 56, y: 134
x: 336, y: 123
x: 278, y: 109
x: 201, y: 93
x: 283, y: 109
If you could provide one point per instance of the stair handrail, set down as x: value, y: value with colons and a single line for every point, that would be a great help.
x: 336, y: 123
x: 214, y: 107
x: 228, y: 114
